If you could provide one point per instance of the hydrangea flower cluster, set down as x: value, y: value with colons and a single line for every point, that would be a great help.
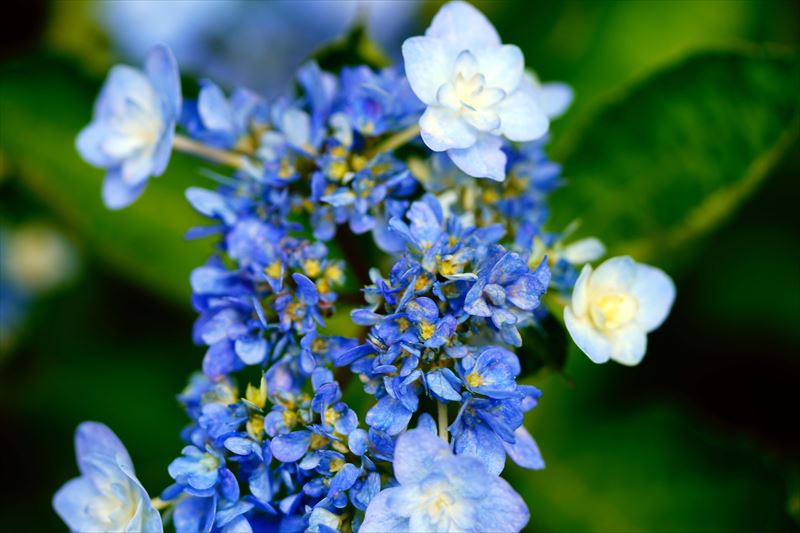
x: 397, y: 154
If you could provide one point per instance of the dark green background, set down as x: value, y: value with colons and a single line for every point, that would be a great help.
x: 702, y: 436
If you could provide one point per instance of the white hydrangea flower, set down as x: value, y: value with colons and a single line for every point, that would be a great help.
x: 614, y: 307
x: 476, y: 91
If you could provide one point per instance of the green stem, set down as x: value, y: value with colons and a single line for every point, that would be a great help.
x: 441, y: 411
x: 395, y: 141
x: 190, y: 146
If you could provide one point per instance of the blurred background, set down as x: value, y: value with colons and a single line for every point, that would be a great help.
x: 95, y: 318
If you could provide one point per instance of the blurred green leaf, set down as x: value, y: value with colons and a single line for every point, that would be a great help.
x: 354, y: 48
x: 616, y: 462
x: 678, y: 153
x: 544, y: 346
x: 44, y: 102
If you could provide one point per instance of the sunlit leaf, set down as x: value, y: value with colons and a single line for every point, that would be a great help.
x: 677, y: 154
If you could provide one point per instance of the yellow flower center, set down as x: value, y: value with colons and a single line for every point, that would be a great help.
x: 613, y: 310
x: 426, y: 330
x: 312, y: 267
x: 474, y: 379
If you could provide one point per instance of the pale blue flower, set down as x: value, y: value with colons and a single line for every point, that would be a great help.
x: 107, y: 496
x: 133, y: 126
x: 439, y: 491
x: 614, y: 307
x: 475, y: 90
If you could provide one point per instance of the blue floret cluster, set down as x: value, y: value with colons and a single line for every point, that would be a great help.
x: 379, y: 236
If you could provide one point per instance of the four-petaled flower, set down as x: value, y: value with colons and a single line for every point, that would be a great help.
x: 475, y: 90
x: 439, y: 491
x: 133, y: 126
x: 614, y: 307
x: 107, y: 496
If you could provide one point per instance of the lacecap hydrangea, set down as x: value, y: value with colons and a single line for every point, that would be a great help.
x: 321, y: 407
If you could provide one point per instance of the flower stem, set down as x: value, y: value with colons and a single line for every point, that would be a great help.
x: 395, y: 141
x: 190, y: 146
x: 441, y: 412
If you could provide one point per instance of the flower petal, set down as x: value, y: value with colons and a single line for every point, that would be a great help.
x: 655, y: 292
x: 521, y: 119
x: 628, y: 344
x: 593, y: 343
x: 429, y: 65
x: 615, y: 275
x: 442, y: 129
x: 381, y: 517
x: 117, y: 193
x: 484, y: 159
x: 501, y: 509
x: 461, y: 24
x: 502, y: 66
x: 554, y: 99
x: 162, y: 69
x: 415, y: 454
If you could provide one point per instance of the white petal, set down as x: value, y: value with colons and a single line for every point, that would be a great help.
x: 593, y: 343
x: 502, y: 66
x: 429, y: 65
x: 484, y: 159
x: 584, y: 251
x: 629, y: 344
x: 580, y: 293
x: 462, y: 24
x: 443, y: 129
x: 655, y: 292
x: 117, y: 193
x: 555, y: 98
x: 521, y: 119
x: 483, y: 120
x: 613, y: 276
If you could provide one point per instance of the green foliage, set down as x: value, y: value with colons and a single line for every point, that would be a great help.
x: 679, y: 152
x: 618, y: 460
x: 354, y: 48
x: 543, y: 347
x: 44, y: 103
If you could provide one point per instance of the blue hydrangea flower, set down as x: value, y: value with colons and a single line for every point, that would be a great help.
x: 507, y: 291
x: 228, y: 123
x: 133, y: 125
x: 475, y: 91
x: 376, y: 102
x: 107, y: 496
x: 439, y: 491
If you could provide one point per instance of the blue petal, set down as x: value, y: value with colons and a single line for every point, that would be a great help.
x: 496, y: 370
x: 162, y: 69
x: 442, y: 384
x: 388, y: 415
x: 524, y: 450
x: 415, y: 455
x: 381, y: 516
x: 214, y: 109
x: 251, y: 350
x: 261, y: 485
x: 422, y: 309
x: 290, y: 447
x: 194, y: 514
x: 117, y: 193
x: 210, y: 204
x: 481, y: 442
x: 484, y: 159
x: 358, y: 442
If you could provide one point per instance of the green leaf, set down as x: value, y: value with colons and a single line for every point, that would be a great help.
x: 354, y: 48
x: 544, y: 346
x: 676, y: 155
x: 44, y: 103
x: 621, y: 461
